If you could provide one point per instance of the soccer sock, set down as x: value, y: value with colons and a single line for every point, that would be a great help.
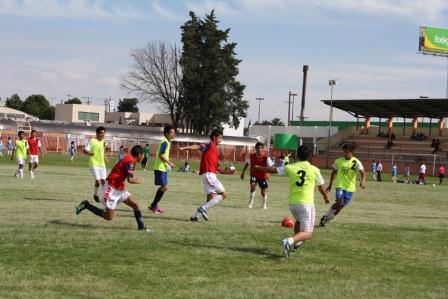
x: 157, y: 198
x: 330, y: 214
x: 290, y: 241
x: 299, y: 243
x: 251, y: 198
x: 212, y: 202
x: 94, y: 209
x: 95, y: 190
x: 21, y: 173
x: 265, y: 198
x: 139, y: 218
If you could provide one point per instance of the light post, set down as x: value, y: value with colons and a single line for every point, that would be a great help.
x: 88, y: 100
x: 68, y: 97
x: 259, y: 104
x: 292, y: 112
x: 331, y: 83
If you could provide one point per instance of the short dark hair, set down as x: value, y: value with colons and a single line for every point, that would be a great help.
x: 33, y: 131
x: 167, y: 129
x: 215, y: 133
x: 258, y: 144
x: 136, y: 150
x: 147, y: 144
x: 304, y: 152
x: 348, y: 147
x: 20, y: 132
x: 99, y: 129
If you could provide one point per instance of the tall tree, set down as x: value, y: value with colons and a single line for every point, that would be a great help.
x: 14, y: 102
x: 212, y: 95
x: 73, y: 101
x: 38, y: 105
x: 128, y: 105
x: 156, y: 77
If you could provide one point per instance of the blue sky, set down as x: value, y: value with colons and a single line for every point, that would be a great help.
x: 81, y: 48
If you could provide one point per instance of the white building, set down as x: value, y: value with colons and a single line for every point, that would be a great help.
x: 77, y: 113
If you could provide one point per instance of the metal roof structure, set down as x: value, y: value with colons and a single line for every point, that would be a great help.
x: 384, y: 108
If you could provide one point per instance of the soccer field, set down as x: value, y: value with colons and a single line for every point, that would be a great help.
x: 392, y: 241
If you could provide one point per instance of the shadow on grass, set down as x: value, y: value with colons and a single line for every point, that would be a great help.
x: 83, y: 225
x: 42, y: 198
x: 246, y: 250
x: 155, y: 216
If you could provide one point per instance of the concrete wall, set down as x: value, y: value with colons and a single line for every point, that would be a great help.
x: 69, y: 112
x: 302, y: 132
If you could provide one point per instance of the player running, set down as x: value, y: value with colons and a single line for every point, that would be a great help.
x: 303, y: 177
x: 34, y: 148
x: 97, y: 163
x: 345, y: 170
x: 258, y: 177
x: 208, y: 169
x: 162, y: 164
x: 20, y: 150
x: 115, y: 191
x: 10, y: 145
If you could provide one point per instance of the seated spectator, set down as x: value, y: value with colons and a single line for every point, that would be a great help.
x: 389, y: 144
x: 436, y: 146
x: 392, y: 136
x: 185, y: 167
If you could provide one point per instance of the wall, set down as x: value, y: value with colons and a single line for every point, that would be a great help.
x: 69, y: 112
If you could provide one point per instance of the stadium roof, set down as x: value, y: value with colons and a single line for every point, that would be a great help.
x: 384, y: 108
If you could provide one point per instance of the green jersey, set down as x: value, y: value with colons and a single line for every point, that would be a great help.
x: 164, y: 149
x: 303, y: 178
x: 97, y: 148
x: 21, y: 148
x: 146, y: 151
x: 347, y: 173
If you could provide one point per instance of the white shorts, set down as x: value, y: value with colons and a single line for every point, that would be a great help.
x: 34, y: 159
x: 211, y: 183
x: 99, y: 173
x: 21, y: 161
x: 112, y: 197
x: 306, y: 215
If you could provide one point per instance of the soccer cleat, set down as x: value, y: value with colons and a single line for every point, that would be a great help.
x: 323, y: 220
x: 147, y: 230
x: 156, y: 210
x: 194, y: 219
x: 264, y: 207
x: 250, y: 206
x: 32, y: 175
x: 81, y: 207
x: 17, y: 175
x: 96, y: 198
x: 298, y: 245
x: 286, y: 248
x: 203, y: 212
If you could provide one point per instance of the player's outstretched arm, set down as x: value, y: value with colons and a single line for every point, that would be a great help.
x: 333, y: 177
x: 270, y: 169
x: 191, y: 147
x: 244, y: 170
x: 132, y: 180
x: 362, y: 184
x: 323, y: 192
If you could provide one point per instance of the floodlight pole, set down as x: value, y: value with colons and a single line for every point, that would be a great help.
x: 332, y: 83
x: 259, y: 105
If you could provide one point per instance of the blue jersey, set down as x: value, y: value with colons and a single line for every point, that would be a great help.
x: 394, y: 170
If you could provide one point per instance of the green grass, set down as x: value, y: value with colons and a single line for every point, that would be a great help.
x: 390, y: 242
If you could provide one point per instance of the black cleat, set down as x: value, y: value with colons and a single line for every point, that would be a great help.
x: 96, y: 198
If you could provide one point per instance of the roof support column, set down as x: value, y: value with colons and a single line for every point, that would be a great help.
x: 404, y: 126
x: 414, y: 125
x: 367, y: 125
x: 441, y: 125
x: 390, y: 124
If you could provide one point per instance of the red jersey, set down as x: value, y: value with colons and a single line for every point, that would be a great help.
x: 121, y: 171
x: 209, y: 159
x: 442, y: 170
x: 34, y: 145
x: 261, y: 161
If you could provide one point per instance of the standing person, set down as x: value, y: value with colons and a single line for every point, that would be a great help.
x: 303, y: 177
x: 1, y: 147
x: 345, y: 171
x: 258, y: 177
x: 146, y: 152
x: 407, y: 173
x: 115, y: 191
x: 20, y: 150
x: 10, y: 145
x: 422, y: 173
x: 120, y: 152
x: 34, y: 148
x: 72, y: 150
x: 162, y: 164
x: 379, y: 170
x: 441, y: 174
x: 374, y: 169
x: 97, y: 163
x: 208, y: 169
x: 394, y: 172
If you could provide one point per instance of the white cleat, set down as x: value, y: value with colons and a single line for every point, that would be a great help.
x: 265, y: 207
x: 31, y: 175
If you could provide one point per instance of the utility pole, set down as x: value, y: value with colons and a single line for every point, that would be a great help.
x: 259, y: 105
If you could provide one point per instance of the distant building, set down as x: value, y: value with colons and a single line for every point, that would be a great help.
x: 17, y: 115
x: 78, y: 113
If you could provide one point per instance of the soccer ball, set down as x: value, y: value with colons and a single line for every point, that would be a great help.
x: 433, y: 185
x: 288, y: 222
x: 232, y: 168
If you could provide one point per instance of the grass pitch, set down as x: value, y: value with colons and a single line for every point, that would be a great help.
x: 392, y: 241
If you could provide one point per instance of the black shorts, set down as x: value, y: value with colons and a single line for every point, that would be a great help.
x: 144, y: 161
x: 441, y: 175
x: 263, y: 184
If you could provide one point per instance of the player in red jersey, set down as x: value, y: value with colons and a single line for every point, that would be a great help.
x: 34, y: 148
x: 209, y: 168
x: 114, y: 191
x: 256, y: 176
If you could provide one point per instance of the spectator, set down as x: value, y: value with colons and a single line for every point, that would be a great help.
x: 389, y: 144
x: 407, y: 173
x: 374, y: 169
x: 422, y: 173
x: 441, y: 174
x: 394, y: 172
x: 392, y: 136
x: 120, y: 152
x: 436, y: 146
x: 379, y: 169
x: 185, y: 168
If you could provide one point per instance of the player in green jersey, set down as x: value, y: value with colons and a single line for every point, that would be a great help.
x: 345, y: 171
x: 20, y: 150
x: 303, y: 178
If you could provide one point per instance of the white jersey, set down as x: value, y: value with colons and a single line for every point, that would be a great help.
x: 423, y: 168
